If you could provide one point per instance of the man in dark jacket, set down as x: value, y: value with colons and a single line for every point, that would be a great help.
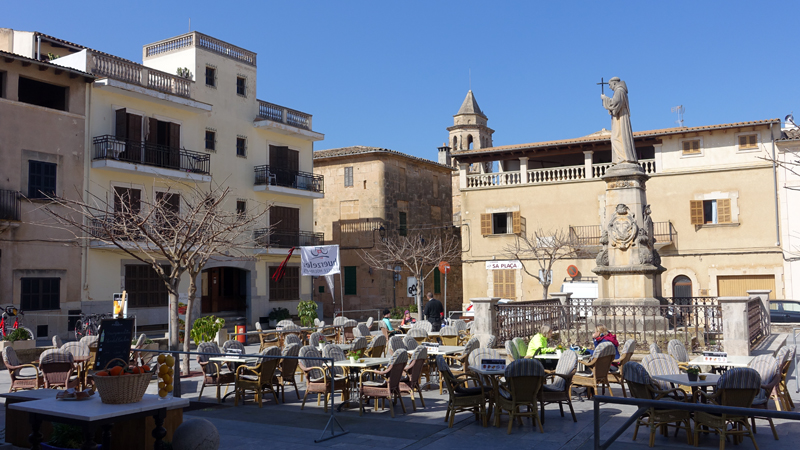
x: 434, y: 312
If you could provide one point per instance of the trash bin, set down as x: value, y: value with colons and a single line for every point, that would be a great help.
x: 241, y: 327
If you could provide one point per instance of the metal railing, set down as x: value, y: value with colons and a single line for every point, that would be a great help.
x: 695, y: 325
x: 757, y: 321
x: 286, y: 239
x: 130, y: 72
x: 277, y: 113
x: 589, y: 235
x: 275, y: 176
x: 110, y: 148
x: 9, y: 205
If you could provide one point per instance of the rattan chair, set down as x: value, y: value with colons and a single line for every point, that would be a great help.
x: 266, y: 338
x: 285, y: 375
x: 625, y: 355
x: 423, y: 324
x: 598, y: 366
x: 736, y: 387
x: 76, y: 348
x: 376, y: 347
x: 385, y: 384
x: 677, y: 350
x: 319, y: 378
x: 461, y: 328
x: 462, y: 398
x: 337, y: 354
x: 347, y: 330
x: 284, y: 323
x: 524, y: 379
x: 459, y: 363
x: 292, y: 339
x: 258, y: 378
x: 449, y: 335
x: 359, y: 343
x: 57, y: 342
x: 21, y: 381
x: 91, y: 340
x: 487, y: 340
x: 214, y: 373
x: 786, y: 357
x: 369, y: 323
x: 58, y: 369
x: 413, y: 370
x: 396, y: 342
x: 641, y: 386
x: 560, y: 390
x: 410, y: 342
x: 654, y: 349
x: 316, y: 338
x: 418, y: 334
x: 663, y: 364
x: 231, y: 346
x: 769, y: 371
x: 361, y: 330
x: 512, y: 351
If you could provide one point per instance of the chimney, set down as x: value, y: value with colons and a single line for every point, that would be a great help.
x: 444, y: 155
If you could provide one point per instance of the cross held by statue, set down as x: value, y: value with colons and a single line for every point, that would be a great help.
x: 602, y: 88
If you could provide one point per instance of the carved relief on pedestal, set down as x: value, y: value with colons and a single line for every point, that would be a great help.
x: 622, y: 228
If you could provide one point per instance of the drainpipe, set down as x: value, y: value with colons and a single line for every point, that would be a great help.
x: 775, y: 186
x: 38, y: 48
x: 87, y: 158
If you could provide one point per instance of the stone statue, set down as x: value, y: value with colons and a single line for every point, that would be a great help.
x: 622, y: 147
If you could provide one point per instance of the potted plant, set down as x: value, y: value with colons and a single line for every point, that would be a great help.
x: 355, y: 355
x: 19, y: 339
x: 182, y: 308
x: 278, y: 314
x: 307, y: 311
x: 206, y: 328
x: 692, y: 372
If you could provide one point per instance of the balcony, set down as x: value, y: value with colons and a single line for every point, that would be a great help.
x: 546, y: 175
x: 200, y: 40
x: 9, y: 205
x: 286, y: 121
x: 140, y: 157
x: 589, y: 235
x: 281, y: 239
x: 289, y: 182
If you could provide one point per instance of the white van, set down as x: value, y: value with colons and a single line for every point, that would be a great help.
x: 581, y: 290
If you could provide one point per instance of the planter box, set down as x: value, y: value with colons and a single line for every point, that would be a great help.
x: 18, y: 345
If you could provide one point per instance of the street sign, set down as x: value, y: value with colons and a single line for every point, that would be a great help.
x: 412, y: 286
x: 572, y: 271
x: 444, y: 267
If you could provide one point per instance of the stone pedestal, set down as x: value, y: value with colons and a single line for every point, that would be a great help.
x: 735, y: 330
x: 485, y: 315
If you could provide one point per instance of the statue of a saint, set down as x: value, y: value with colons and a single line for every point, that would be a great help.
x: 622, y: 147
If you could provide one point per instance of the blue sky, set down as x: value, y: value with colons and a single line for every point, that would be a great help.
x: 392, y: 74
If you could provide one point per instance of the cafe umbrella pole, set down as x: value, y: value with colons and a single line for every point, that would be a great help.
x: 332, y: 422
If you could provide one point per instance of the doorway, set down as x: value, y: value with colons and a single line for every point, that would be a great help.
x: 224, y: 289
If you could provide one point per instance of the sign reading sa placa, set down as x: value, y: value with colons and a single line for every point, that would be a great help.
x: 503, y: 265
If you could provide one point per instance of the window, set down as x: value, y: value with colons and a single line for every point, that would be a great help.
x: 501, y: 223
x: 241, y: 207
x: 241, y: 147
x: 402, y: 230
x: 241, y: 84
x: 41, y: 179
x: 127, y: 200
x: 350, y: 280
x: 691, y: 147
x: 145, y: 288
x: 211, y: 141
x: 504, y: 284
x: 437, y: 282
x: 42, y: 94
x: 710, y: 211
x: 40, y: 294
x: 285, y: 224
x: 2, y: 84
x: 289, y: 286
x: 348, y: 176
x: 211, y: 76
x: 748, y: 142
x: 170, y: 206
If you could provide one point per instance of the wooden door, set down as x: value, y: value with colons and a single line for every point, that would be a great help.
x: 286, y: 223
x: 738, y: 285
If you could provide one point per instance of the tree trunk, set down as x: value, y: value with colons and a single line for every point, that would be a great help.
x: 189, y: 321
x: 173, y: 315
x: 545, y: 288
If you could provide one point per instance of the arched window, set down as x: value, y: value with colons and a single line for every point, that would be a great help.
x: 455, y: 142
x: 682, y: 288
x: 469, y: 142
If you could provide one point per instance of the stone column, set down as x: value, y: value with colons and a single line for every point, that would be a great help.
x: 735, y: 332
x: 587, y: 163
x: 485, y: 315
x: 763, y: 294
x: 658, y: 156
x: 463, y: 169
x: 562, y: 297
x: 523, y: 170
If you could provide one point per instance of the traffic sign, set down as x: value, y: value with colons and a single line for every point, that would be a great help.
x: 444, y: 267
x: 572, y: 271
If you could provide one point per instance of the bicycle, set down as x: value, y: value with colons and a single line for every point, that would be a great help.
x: 88, y: 325
x: 17, y: 314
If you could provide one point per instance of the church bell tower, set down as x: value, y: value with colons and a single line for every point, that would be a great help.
x: 469, y: 130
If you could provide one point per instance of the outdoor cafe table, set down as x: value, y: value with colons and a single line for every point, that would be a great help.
x: 92, y: 413
x: 433, y: 352
x: 494, y: 375
x: 353, y: 371
x: 732, y: 361
x: 683, y: 379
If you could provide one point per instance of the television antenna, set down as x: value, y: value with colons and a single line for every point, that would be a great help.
x: 680, y: 110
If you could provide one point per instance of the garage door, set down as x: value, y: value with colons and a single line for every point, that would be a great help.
x: 737, y: 286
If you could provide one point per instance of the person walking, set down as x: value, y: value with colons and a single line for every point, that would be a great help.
x: 434, y: 312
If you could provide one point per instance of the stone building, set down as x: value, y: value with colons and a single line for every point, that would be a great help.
x: 712, y: 196
x: 42, y: 145
x: 372, y: 193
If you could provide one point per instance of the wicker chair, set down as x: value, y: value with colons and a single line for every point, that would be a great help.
x: 641, y: 386
x: 413, y: 370
x: 284, y: 323
x: 258, y: 378
x: 521, y: 345
x: 316, y: 338
x: 285, y: 375
x: 524, y: 379
x: 90, y: 340
x: 512, y: 351
x: 460, y: 363
x: 663, y: 364
x: 57, y: 342
x: 388, y: 385
x: 318, y: 376
x: 369, y: 323
x: 423, y: 324
x: 291, y: 330
x: 339, y: 321
x: 449, y: 335
x: 654, y: 349
x: 214, y: 373
x: 487, y: 340
x: 359, y: 343
x: 338, y: 324
x: 463, y: 334
x: 58, y: 369
x: 410, y: 342
x: 599, y: 366
x: 20, y: 381
x: 769, y: 371
x: 677, y: 350
x: 462, y: 398
x: 266, y: 338
x: 232, y: 344
x: 292, y: 339
x: 376, y: 347
x: 396, y: 342
x: 329, y: 333
x: 337, y: 354
x: 736, y: 387
x: 474, y: 360
x: 419, y: 334
x: 786, y: 356
x: 625, y: 354
x: 361, y: 330
x: 560, y: 390
x: 77, y: 348
x: 347, y: 330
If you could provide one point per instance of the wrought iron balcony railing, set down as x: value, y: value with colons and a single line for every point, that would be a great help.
x: 274, y: 176
x: 286, y: 239
x: 110, y: 148
x: 589, y: 235
x: 9, y: 205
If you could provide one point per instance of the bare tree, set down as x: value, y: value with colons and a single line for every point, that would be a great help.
x: 185, y: 229
x: 420, y: 253
x: 545, y: 248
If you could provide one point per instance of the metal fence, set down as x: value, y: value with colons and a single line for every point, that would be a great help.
x: 757, y: 321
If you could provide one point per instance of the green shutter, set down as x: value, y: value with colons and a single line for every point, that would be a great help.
x: 350, y: 283
x: 322, y: 289
x: 437, y: 282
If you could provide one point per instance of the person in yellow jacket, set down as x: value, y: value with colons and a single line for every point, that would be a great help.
x: 538, y: 341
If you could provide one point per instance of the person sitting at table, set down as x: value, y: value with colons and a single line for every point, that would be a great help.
x: 407, y: 319
x: 601, y: 334
x: 388, y: 322
x: 539, y: 341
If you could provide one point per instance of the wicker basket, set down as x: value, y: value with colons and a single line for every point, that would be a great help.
x: 122, y: 389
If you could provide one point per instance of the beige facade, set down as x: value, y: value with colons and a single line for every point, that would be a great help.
x: 42, y: 144
x: 153, y: 131
x: 788, y: 183
x: 374, y: 192
x: 711, y: 193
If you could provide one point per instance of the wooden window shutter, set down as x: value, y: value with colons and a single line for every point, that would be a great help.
x: 696, y: 211
x: 174, y: 135
x: 724, y: 210
x: 516, y: 221
x: 121, y: 124
x: 293, y: 160
x: 486, y: 224
x: 742, y: 141
x: 511, y: 291
x: 687, y: 146
x: 152, y: 136
x: 498, y: 283
x: 752, y: 140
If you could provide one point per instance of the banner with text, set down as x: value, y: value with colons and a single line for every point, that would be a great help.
x: 503, y: 265
x: 319, y: 260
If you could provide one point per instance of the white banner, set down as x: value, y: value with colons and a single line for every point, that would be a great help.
x: 319, y: 260
x: 502, y: 265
